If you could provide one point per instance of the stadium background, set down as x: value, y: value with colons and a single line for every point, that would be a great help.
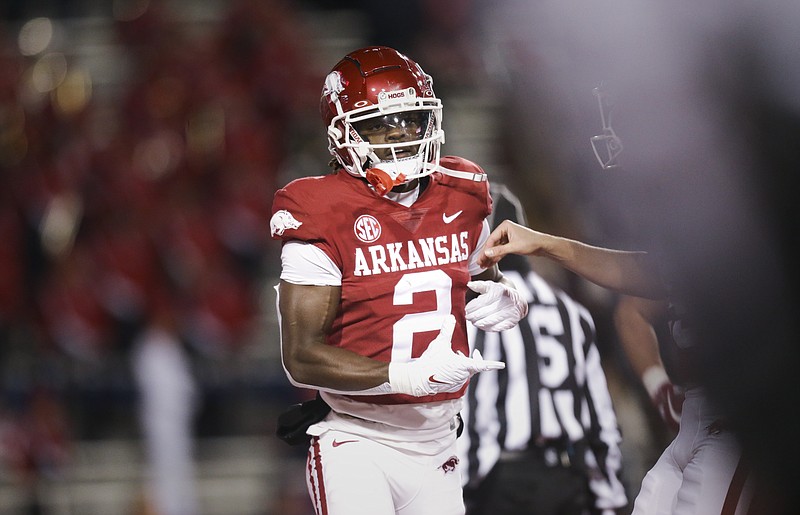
x: 140, y: 144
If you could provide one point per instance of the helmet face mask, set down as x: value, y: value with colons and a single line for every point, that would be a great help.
x: 382, y: 117
x: 606, y: 146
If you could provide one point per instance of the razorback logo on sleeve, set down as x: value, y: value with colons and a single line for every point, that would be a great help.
x: 282, y: 221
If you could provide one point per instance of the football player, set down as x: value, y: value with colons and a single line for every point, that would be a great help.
x: 378, y: 261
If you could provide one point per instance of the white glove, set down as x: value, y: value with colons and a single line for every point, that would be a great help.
x: 496, y: 308
x: 667, y: 398
x: 439, y: 369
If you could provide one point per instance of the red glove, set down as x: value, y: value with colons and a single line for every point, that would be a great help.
x: 666, y: 397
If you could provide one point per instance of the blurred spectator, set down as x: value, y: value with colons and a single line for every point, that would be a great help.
x: 168, y: 403
x: 72, y: 315
x: 12, y: 266
x: 35, y: 441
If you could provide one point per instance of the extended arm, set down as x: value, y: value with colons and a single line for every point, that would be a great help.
x: 629, y: 272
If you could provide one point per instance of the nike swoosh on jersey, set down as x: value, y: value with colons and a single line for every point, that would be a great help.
x: 434, y: 380
x: 337, y: 443
x: 447, y: 219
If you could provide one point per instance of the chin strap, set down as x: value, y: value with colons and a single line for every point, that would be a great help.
x: 383, y: 182
x: 470, y: 176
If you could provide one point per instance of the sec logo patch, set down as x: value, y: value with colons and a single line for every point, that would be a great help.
x: 367, y: 228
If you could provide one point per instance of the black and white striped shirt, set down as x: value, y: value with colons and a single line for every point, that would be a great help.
x: 552, y: 389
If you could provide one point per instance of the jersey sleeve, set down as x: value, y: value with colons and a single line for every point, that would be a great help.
x: 304, y: 263
x: 299, y: 214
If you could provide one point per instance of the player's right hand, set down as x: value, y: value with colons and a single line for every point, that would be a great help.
x: 438, y: 369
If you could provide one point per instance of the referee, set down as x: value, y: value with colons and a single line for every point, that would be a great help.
x: 541, y: 436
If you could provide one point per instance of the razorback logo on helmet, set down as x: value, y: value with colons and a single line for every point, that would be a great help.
x: 334, y: 84
x: 281, y: 221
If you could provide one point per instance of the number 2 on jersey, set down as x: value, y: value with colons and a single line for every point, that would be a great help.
x: 436, y: 281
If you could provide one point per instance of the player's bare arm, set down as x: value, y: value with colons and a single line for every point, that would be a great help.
x: 307, y: 313
x: 628, y: 272
x: 635, y: 319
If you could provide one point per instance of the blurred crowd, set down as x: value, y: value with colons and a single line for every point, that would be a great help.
x: 135, y: 205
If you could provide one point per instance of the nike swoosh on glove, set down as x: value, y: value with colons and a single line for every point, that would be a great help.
x: 496, y: 308
x: 438, y: 369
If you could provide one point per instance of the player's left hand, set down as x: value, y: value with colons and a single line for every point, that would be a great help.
x: 496, y: 308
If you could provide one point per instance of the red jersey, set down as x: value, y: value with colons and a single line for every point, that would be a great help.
x: 403, y: 268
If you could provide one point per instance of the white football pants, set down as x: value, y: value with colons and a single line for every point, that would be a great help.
x: 348, y: 474
x: 700, y: 471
